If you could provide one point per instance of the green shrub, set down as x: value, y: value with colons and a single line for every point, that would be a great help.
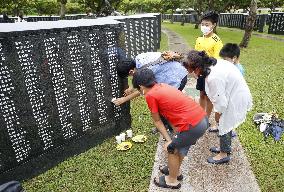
x: 74, y: 8
x: 46, y: 7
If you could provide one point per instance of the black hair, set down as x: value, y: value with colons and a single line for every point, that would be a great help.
x: 124, y: 67
x: 210, y: 16
x: 199, y: 59
x: 230, y: 50
x: 144, y: 77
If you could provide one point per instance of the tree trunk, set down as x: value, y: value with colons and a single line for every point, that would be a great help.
x: 272, y: 8
x: 226, y: 6
x: 198, y: 8
x: 197, y: 20
x: 183, y: 17
x: 211, y: 5
x: 62, y: 10
x: 172, y: 17
x: 249, y: 24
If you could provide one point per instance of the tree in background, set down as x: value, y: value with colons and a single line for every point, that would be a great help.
x: 140, y: 6
x: 199, y: 7
x: 75, y: 8
x: 126, y: 6
x: 14, y: 7
x: 47, y: 7
x: 184, y: 4
x: 105, y: 7
x: 171, y: 5
x: 62, y: 7
x: 249, y: 24
x: 272, y: 4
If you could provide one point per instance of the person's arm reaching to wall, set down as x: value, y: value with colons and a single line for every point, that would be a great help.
x: 122, y: 100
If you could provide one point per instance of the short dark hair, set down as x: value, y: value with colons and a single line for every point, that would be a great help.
x: 124, y: 67
x: 230, y: 50
x: 210, y: 16
x: 144, y: 77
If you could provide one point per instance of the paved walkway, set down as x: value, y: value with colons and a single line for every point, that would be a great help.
x: 200, y: 176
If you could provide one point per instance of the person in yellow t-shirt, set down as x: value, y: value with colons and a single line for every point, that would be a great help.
x: 211, y: 44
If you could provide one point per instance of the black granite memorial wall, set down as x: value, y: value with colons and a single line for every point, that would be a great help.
x: 57, y: 80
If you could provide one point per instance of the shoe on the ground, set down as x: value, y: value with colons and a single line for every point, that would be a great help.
x: 165, y: 171
x: 234, y: 134
x: 216, y: 150
x: 213, y: 130
x: 221, y: 161
x: 162, y: 183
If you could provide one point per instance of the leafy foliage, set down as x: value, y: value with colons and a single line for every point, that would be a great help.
x: 105, y: 6
x: 271, y: 4
x: 141, y: 6
x: 73, y: 8
x: 47, y: 7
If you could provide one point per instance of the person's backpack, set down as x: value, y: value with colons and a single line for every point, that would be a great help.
x: 12, y: 186
x: 269, y: 124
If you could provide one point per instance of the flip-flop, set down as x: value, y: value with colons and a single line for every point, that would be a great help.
x: 221, y: 161
x: 217, y: 150
x: 165, y: 171
x: 213, y: 130
x: 162, y: 183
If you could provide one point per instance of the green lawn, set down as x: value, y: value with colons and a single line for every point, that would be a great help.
x: 103, y: 168
x: 164, y: 43
x: 264, y: 65
x: 265, y: 33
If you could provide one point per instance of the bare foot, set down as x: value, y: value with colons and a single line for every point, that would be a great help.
x: 221, y: 155
x: 214, y: 128
x: 171, y: 182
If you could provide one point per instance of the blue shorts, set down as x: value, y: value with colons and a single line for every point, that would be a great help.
x: 185, y: 139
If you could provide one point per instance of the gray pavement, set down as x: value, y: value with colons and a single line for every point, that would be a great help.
x: 200, y: 176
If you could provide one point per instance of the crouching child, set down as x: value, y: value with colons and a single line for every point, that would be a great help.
x: 188, y: 119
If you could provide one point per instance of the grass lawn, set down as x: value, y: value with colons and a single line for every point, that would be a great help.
x: 103, y: 168
x: 265, y: 33
x: 264, y: 66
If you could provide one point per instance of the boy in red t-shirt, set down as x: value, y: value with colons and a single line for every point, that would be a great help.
x: 188, y: 119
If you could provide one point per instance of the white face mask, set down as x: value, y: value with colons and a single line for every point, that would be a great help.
x: 206, y: 30
x: 194, y: 75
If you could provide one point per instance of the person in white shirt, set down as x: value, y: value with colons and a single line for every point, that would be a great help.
x: 229, y: 93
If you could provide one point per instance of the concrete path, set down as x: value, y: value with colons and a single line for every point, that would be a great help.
x: 200, y: 176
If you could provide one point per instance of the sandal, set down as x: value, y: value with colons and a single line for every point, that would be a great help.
x: 220, y: 161
x: 162, y: 183
x: 165, y: 171
x: 213, y: 130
